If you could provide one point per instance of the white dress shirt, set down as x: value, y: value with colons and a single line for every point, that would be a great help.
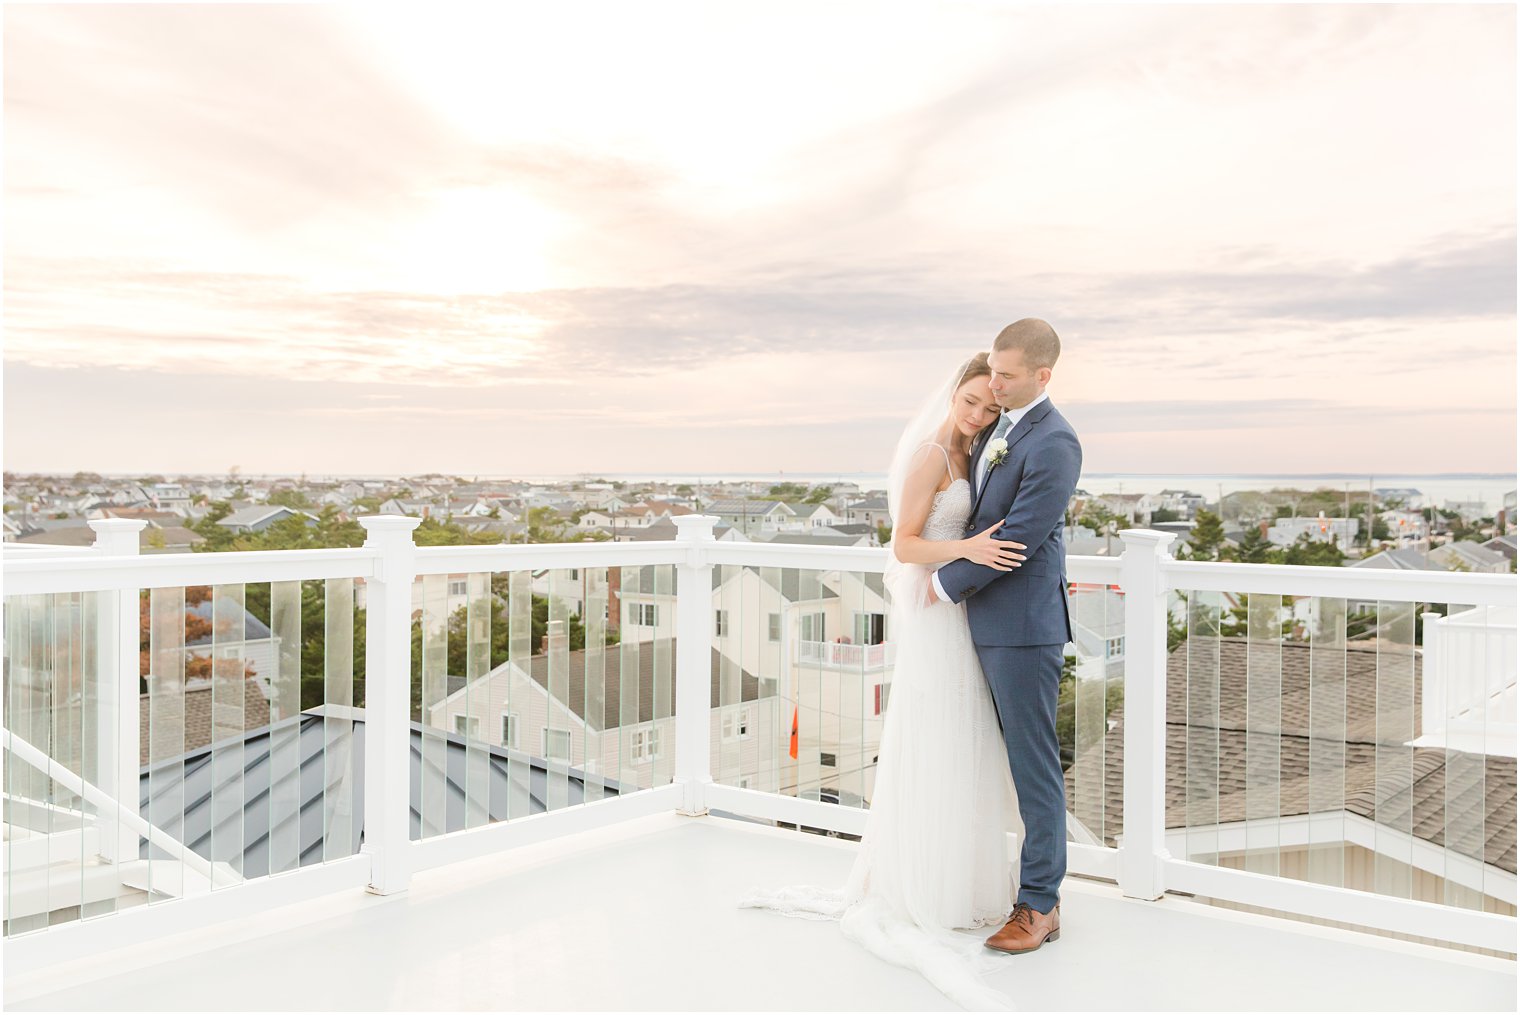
x: 1013, y: 416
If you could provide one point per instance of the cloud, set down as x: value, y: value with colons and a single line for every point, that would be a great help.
x: 437, y: 223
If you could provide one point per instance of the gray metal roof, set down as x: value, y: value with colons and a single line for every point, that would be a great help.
x: 183, y: 785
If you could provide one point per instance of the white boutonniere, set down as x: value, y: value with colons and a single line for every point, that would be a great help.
x: 997, y: 451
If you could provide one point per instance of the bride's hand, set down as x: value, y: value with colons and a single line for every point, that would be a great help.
x: 998, y: 554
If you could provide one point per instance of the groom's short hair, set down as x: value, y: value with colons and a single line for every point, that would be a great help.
x: 1034, y: 338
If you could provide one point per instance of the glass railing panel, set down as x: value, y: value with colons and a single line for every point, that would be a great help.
x: 1325, y: 804
x: 230, y: 774
x: 1089, y: 704
x: 663, y: 677
x: 166, y: 736
x: 808, y: 678
x: 773, y: 753
x: 283, y: 850
x: 733, y: 642
x: 433, y: 792
x: 477, y: 726
x: 637, y: 739
x: 594, y: 616
x: 340, y: 833
x: 518, y: 695
x: 556, y: 737
x: 1360, y: 744
x: 229, y: 674
x: 1201, y: 838
x: 1265, y: 621
x: 1393, y: 783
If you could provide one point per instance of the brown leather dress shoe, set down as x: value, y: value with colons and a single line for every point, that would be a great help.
x: 1027, y: 928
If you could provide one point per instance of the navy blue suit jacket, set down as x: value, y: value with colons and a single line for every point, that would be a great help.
x: 1029, y: 493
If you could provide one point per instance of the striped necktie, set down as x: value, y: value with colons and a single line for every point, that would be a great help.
x: 1004, y: 424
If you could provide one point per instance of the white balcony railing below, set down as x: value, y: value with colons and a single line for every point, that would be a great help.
x: 843, y: 655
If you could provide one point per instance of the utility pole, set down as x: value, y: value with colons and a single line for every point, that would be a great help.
x: 1369, y: 513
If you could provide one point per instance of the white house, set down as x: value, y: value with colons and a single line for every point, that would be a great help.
x: 1468, y: 510
x: 577, y: 708
x: 1097, y: 620
x: 1185, y: 502
x: 1286, y: 531
x: 871, y: 511
x: 752, y: 516
x: 812, y: 516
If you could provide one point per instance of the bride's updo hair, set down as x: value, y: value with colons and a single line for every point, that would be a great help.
x: 975, y: 367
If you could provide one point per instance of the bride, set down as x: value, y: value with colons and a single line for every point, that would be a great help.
x: 934, y: 856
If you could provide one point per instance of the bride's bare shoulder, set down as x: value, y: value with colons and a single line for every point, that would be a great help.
x: 932, y: 468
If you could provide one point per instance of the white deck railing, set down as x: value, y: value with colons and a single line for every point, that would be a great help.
x: 1140, y: 860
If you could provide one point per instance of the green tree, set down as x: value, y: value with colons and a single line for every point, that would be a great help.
x: 501, y: 629
x: 1314, y: 553
x: 1207, y: 536
x: 1254, y: 548
x: 1096, y: 516
x: 1066, y: 708
x: 291, y: 499
x: 432, y: 532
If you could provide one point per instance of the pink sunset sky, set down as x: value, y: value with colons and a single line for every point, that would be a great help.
x: 748, y: 237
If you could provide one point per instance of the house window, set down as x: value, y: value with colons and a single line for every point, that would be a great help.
x: 736, y: 724
x: 721, y: 617
x: 642, y: 615
x: 773, y: 627
x: 883, y: 692
x: 1115, y: 648
x: 870, y: 628
x: 557, y: 744
x: 467, y: 726
x: 459, y: 588
x: 812, y: 627
x: 508, y: 729
x: 827, y: 760
x: 575, y: 574
x: 645, y: 745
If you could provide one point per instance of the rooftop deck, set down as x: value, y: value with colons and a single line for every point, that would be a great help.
x: 1315, y: 742
x: 641, y: 915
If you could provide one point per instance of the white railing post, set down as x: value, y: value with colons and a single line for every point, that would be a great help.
x: 118, y: 724
x: 1145, y: 604
x: 694, y: 637
x: 388, y: 702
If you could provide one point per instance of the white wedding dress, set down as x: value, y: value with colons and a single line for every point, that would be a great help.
x: 935, y: 854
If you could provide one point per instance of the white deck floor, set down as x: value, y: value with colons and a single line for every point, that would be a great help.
x: 642, y: 916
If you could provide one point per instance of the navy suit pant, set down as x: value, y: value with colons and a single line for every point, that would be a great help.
x: 1025, y: 681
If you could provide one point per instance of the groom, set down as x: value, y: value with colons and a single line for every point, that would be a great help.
x: 1025, y: 474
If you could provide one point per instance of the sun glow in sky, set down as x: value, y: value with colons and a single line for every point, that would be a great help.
x: 610, y: 237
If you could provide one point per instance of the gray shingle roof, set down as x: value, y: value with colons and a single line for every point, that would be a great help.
x: 1419, y: 800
